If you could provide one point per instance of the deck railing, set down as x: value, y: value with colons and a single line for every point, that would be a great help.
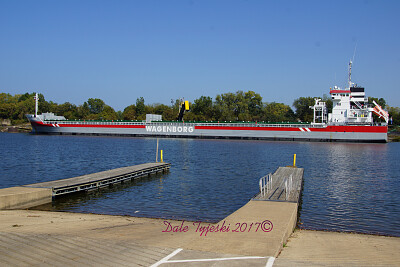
x: 222, y: 124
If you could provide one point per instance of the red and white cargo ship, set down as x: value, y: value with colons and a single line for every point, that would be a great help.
x: 350, y: 121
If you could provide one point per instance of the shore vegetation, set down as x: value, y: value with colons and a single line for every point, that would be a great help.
x: 238, y: 106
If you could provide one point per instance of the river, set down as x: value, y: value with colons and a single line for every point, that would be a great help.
x: 347, y: 187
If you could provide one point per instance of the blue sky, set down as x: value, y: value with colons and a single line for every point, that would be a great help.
x: 121, y: 50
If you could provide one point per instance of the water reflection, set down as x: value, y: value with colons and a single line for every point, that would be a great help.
x: 352, y: 190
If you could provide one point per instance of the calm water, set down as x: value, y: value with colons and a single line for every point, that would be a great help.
x: 347, y: 187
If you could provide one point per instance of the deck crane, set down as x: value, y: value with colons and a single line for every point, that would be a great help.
x: 183, y: 106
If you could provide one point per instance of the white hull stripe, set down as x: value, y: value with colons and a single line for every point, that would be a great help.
x: 305, y: 129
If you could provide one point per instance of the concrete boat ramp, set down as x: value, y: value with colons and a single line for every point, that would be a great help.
x: 254, y: 235
x: 257, y: 230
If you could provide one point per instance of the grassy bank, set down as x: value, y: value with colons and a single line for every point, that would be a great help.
x: 394, y: 134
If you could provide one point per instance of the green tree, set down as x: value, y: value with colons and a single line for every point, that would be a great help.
x: 25, y: 97
x: 95, y: 105
x: 241, y: 107
x: 202, y: 108
x: 24, y: 107
x: 278, y: 112
x: 119, y: 115
x: 83, y: 111
x: 380, y: 101
x: 140, y: 106
x: 224, y: 107
x: 67, y: 110
x: 255, y: 105
x: 16, y: 107
x: 7, y: 98
x: 164, y: 110
x: 7, y: 105
x: 6, y: 110
x: 43, y: 105
x: 108, y: 113
x: 303, y: 111
x: 129, y: 113
x: 394, y: 114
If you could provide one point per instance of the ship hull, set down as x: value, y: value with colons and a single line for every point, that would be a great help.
x: 289, y: 132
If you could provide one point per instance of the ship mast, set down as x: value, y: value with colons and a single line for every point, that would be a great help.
x: 350, y: 64
x: 36, y: 104
x: 350, y: 83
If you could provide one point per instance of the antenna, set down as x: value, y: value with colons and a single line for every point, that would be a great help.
x: 350, y: 83
x: 350, y: 64
x: 354, y: 54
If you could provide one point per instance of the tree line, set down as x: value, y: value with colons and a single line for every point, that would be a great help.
x: 239, y: 106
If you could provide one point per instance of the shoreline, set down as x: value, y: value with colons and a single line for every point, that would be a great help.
x: 345, y: 232
x: 20, y: 128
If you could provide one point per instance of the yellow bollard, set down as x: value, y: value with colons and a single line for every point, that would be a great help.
x: 161, y: 156
x: 294, y: 160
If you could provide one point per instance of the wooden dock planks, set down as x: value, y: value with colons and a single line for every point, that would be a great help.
x: 285, y: 186
x: 101, y: 179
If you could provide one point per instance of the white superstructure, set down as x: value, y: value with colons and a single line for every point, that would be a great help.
x: 349, y: 106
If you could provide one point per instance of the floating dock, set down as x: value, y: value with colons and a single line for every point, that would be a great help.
x: 101, y: 179
x: 40, y: 193
x: 284, y: 185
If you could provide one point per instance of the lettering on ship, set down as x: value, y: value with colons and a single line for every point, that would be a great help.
x: 170, y: 129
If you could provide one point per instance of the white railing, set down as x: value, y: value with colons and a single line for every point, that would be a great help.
x: 265, y: 184
x: 222, y: 124
x: 358, y: 104
x: 288, y: 186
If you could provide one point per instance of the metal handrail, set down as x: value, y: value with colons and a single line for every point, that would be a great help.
x: 288, y: 186
x: 265, y: 184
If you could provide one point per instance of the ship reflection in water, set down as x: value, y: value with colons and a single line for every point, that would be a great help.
x: 347, y: 187
x: 353, y: 190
